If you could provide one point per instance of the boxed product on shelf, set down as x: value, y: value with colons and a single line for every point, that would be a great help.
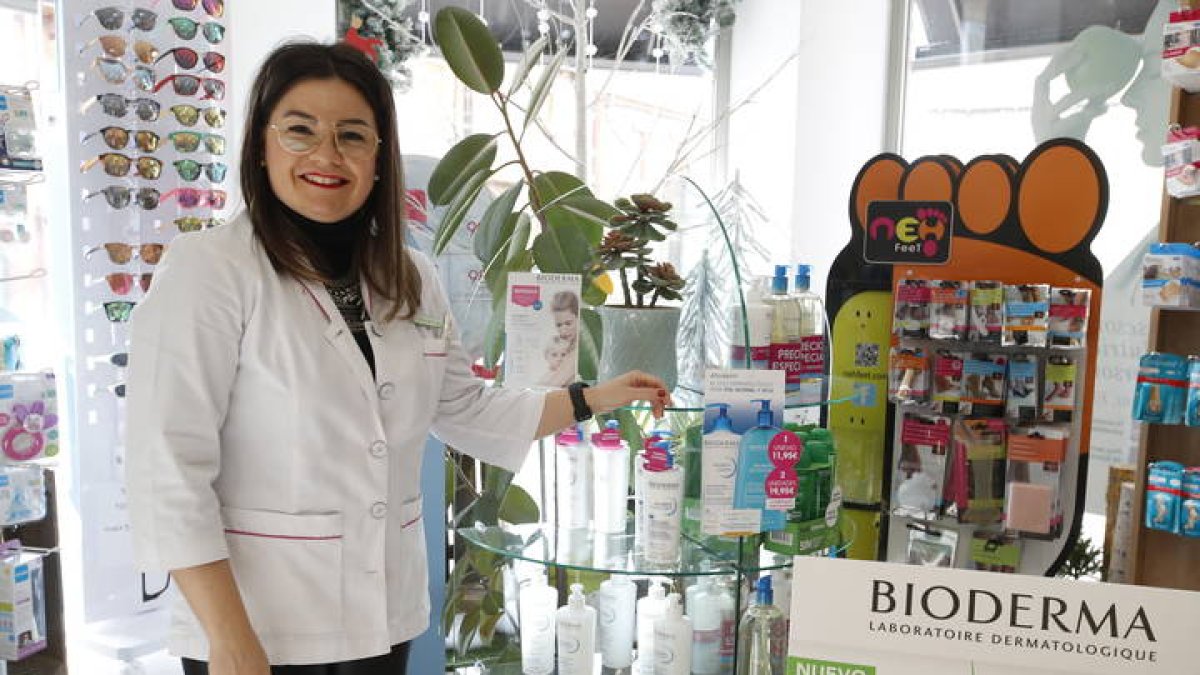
x: 911, y: 318
x: 1189, y: 506
x: 1191, y: 413
x: 1181, y: 50
x: 1181, y: 160
x: 986, y: 321
x: 22, y: 494
x: 1058, y: 400
x: 1069, y: 309
x: 1161, y: 390
x: 22, y: 603
x: 1171, y: 275
x: 18, y: 148
x: 1026, y: 315
x: 1164, y: 485
x: 1033, y: 498
x: 908, y: 375
x: 948, y: 310
x: 1024, y: 394
x: 948, y: 381
x: 984, y: 384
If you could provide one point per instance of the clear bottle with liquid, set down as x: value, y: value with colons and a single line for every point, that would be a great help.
x: 757, y: 652
x: 576, y: 630
x: 538, y: 603
x: 649, y: 610
x: 812, y: 371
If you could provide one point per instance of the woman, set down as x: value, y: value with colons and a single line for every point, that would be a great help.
x: 286, y: 370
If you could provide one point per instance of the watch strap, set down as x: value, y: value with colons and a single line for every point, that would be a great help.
x: 582, y: 411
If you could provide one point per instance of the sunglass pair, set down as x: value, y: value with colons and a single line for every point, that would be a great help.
x: 117, y: 138
x: 186, y: 29
x: 119, y: 311
x: 115, y: 46
x: 187, y: 58
x: 116, y: 105
x: 187, y: 85
x: 120, y: 253
x: 120, y: 196
x: 112, y: 17
x: 115, y: 71
x: 189, y: 141
x: 117, y: 165
x: 122, y: 283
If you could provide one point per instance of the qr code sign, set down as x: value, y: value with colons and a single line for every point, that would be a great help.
x: 866, y: 355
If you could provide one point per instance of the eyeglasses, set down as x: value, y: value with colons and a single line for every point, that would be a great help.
x: 115, y: 46
x: 116, y: 105
x: 185, y: 29
x: 186, y: 58
x: 195, y: 223
x: 189, y: 169
x: 119, y: 311
x: 190, y: 198
x: 301, y: 136
x: 112, y: 18
x: 120, y: 253
x: 186, y: 85
x: 117, y: 138
x: 116, y: 72
x: 117, y: 165
x: 121, y: 283
x: 119, y: 196
x: 189, y: 141
x: 188, y: 115
x: 214, y: 8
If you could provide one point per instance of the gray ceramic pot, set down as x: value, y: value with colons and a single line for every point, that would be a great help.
x: 639, y: 339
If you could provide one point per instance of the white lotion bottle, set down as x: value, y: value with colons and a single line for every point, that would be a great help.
x: 718, y: 469
x: 710, y: 608
x: 649, y: 610
x: 537, y: 606
x: 610, y: 461
x: 673, y: 640
x: 576, y: 630
x: 615, y: 605
x: 664, y: 511
x: 758, y: 319
x: 574, y: 480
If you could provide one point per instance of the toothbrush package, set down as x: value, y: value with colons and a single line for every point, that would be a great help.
x: 908, y: 375
x: 987, y: 312
x: 1162, y: 389
x: 1026, y: 315
x: 911, y: 318
x: 948, y: 310
x: 920, y: 472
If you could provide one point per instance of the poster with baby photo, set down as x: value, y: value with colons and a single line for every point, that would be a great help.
x: 542, y: 330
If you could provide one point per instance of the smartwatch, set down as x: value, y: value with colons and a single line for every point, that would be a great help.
x: 583, y: 412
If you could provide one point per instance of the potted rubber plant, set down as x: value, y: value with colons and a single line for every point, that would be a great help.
x: 640, y: 333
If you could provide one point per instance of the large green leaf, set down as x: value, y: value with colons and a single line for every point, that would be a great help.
x: 590, y: 340
x: 467, y: 631
x: 531, y: 57
x: 468, y: 157
x: 518, y: 507
x: 552, y: 185
x: 497, y: 281
x: 519, y: 242
x: 562, y: 250
x: 496, y: 226
x: 454, y: 214
x: 470, y: 49
x: 588, y: 214
x: 545, y: 84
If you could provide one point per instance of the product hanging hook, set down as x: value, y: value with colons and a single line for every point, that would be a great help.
x: 37, y: 273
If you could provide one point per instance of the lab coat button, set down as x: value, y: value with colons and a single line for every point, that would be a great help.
x: 386, y: 390
x: 378, y: 510
x: 379, y: 449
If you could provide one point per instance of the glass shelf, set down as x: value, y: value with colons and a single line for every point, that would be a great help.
x: 613, y: 553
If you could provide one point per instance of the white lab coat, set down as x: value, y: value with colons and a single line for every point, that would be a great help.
x: 257, y: 433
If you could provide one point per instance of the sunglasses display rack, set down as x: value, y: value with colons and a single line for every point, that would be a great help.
x: 145, y: 82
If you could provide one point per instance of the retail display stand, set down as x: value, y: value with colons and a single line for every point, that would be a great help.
x: 1014, y: 223
x: 1161, y: 558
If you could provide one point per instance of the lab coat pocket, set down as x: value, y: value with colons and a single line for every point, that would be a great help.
x: 411, y: 572
x: 288, y: 568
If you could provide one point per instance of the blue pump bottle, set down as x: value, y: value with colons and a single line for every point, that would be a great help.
x: 750, y: 491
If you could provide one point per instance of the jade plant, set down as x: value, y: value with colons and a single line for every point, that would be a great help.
x: 547, y: 220
x: 641, y: 219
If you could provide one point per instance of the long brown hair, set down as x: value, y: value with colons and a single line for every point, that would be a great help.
x: 385, y: 264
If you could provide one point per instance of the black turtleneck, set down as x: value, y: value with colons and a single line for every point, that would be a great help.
x: 335, y: 243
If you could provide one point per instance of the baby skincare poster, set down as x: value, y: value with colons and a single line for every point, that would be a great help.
x: 748, y: 478
x: 542, y: 330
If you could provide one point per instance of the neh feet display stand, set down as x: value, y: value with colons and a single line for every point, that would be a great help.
x: 1015, y: 223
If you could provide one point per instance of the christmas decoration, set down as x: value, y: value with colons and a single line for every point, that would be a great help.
x: 378, y: 29
x: 688, y: 25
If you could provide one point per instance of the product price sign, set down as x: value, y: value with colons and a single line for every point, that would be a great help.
x: 888, y: 619
x: 909, y: 232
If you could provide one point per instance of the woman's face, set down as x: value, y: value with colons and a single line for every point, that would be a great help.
x: 322, y: 184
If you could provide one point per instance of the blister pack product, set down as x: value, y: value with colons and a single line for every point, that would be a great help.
x: 22, y: 603
x: 1181, y: 162
x: 1171, y: 275
x: 930, y: 547
x: 908, y: 375
x: 979, y: 470
x: 22, y: 494
x: 992, y: 552
x: 1189, y: 507
x: 984, y: 385
x: 948, y: 381
x: 1069, y: 308
x: 1162, y: 387
x: 1023, y: 389
x: 920, y: 474
x: 911, y: 319
x: 948, y: 308
x: 18, y: 148
x: 1033, y: 498
x: 1191, y: 414
x: 1058, y: 398
x: 1026, y: 315
x: 28, y: 416
x: 986, y: 323
x: 1164, y: 485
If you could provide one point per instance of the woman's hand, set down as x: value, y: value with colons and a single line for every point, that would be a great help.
x: 626, y: 389
x: 238, y: 658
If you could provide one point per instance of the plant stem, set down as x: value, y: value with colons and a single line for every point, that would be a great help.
x: 654, y: 298
x: 625, y: 287
x: 534, y: 199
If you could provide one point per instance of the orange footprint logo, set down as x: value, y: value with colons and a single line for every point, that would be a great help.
x: 1026, y: 222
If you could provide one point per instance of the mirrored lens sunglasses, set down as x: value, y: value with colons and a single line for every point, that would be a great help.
x: 116, y: 45
x: 185, y: 29
x: 195, y: 223
x: 116, y: 72
x: 111, y: 18
x: 188, y: 115
x: 122, y: 283
x: 116, y: 105
x: 189, y: 169
x: 214, y: 8
x: 118, y: 311
x: 120, y: 253
x: 186, y: 58
x: 119, y: 196
x: 190, y: 198
x: 117, y: 165
x: 189, y: 141
x: 117, y: 138
x: 187, y: 85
